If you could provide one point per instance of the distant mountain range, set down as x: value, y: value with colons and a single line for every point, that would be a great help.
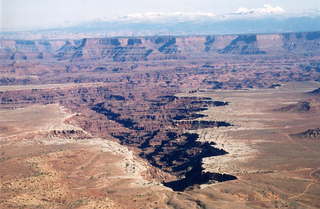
x: 201, y: 25
x: 243, y: 21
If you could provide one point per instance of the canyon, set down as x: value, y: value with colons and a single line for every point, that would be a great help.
x: 191, y: 118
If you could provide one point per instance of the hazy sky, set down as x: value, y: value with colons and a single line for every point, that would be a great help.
x: 27, y: 14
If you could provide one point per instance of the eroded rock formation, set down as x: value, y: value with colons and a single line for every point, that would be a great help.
x: 124, y: 88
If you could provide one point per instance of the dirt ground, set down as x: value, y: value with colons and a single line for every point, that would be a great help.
x: 274, y: 170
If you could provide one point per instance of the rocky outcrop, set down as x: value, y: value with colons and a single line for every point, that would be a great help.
x: 309, y: 134
x: 244, y: 45
x: 298, y: 107
x: 209, y: 43
x: 315, y: 92
x: 293, y: 42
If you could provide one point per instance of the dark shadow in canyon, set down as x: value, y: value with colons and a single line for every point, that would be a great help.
x: 171, y: 149
x: 196, y: 177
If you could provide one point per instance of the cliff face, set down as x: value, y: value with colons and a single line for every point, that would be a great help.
x: 159, y: 48
x: 225, y: 61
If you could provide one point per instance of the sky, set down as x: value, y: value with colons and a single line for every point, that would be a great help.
x: 35, y: 14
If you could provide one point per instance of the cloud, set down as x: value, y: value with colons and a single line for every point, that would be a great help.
x: 156, y: 16
x: 198, y: 16
x: 265, y: 10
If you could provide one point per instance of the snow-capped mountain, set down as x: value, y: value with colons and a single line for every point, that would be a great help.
x: 267, y: 19
x: 262, y: 20
x: 161, y: 16
x: 265, y: 10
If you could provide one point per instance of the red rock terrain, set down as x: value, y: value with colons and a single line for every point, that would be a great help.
x: 127, y: 88
x: 135, y: 102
